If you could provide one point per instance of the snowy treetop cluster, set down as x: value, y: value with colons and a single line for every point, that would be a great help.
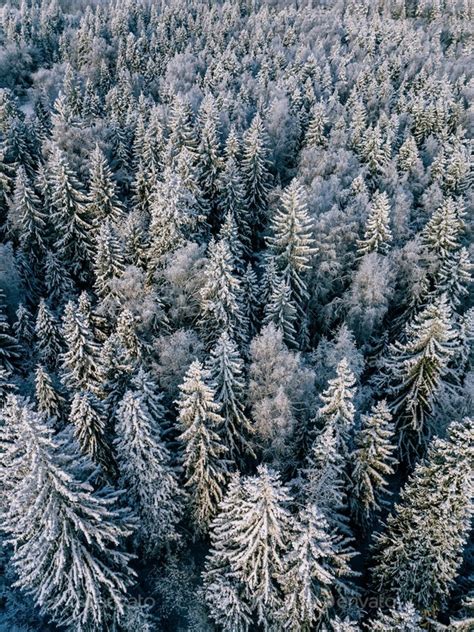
x: 236, y: 316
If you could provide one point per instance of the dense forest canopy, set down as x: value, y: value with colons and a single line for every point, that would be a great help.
x: 236, y: 316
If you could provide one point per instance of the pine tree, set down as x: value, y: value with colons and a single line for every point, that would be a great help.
x: 282, y: 311
x: 229, y: 232
x: 255, y: 168
x: 315, y: 136
x: 9, y: 349
x: 325, y: 480
x: 87, y: 417
x: 79, y: 361
x: 292, y: 243
x: 72, y: 227
x: 316, y: 570
x: 454, y: 277
x: 49, y: 401
x: 209, y: 151
x: 442, y: 233
x: 67, y: 539
x: 57, y: 280
x: 48, y: 339
x: 27, y: 218
x: 338, y: 408
x: 144, y: 385
x: 231, y: 199
x: 220, y: 296
x: 256, y: 542
x: 23, y: 326
x: 102, y: 197
x: 115, y: 369
x: 144, y: 465
x: 377, y: 236
x: 127, y: 334
x: 205, y: 467
x: 251, y: 298
x: 182, y: 131
x: 415, y: 371
x: 372, y: 462
x: 223, y: 592
x: 402, y: 618
x: 418, y: 556
x: 7, y: 385
x: 226, y: 369
x: 108, y: 263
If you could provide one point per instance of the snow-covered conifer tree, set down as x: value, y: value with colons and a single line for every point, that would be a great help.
x: 255, y: 167
x: 144, y: 467
x: 102, y: 196
x: 282, y: 311
x: 67, y: 538
x: 205, y: 466
x: 226, y: 371
x: 108, y: 264
x: 402, y: 617
x: 377, y: 236
x: 418, y: 555
x: 372, y: 462
x: 49, y: 401
x: 48, y: 338
x: 415, y: 370
x: 9, y: 349
x: 79, y: 360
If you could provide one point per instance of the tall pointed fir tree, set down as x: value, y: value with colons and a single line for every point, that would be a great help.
x: 108, y: 264
x: 418, y: 556
x: 281, y: 310
x: 315, y: 573
x: 102, y: 196
x: 210, y: 161
x: 315, y: 134
x: 248, y: 543
x: 50, y: 402
x: 324, y: 480
x: 255, y: 169
x: 231, y: 199
x: 48, y: 337
x: 79, y: 360
x: 145, y: 472
x: 23, y: 327
x: 70, y: 218
x: 401, y: 618
x: 338, y: 408
x: 7, y: 385
x: 9, y: 349
x: 227, y: 374
x: 220, y: 296
x: 67, y: 538
x: 27, y: 219
x: 144, y: 385
x: 88, y: 419
x: 377, y: 236
x: 442, y: 233
x: 372, y: 462
x: 293, y: 245
x: 203, y: 453
x: 414, y: 372
x: 57, y: 280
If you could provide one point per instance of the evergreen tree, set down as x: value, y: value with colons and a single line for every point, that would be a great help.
x: 48, y: 339
x: 292, y: 243
x: 205, y: 467
x: 57, y: 280
x: 418, y: 556
x: 220, y: 296
x: 442, y: 233
x: 231, y: 199
x: 79, y: 361
x: 372, y: 462
x: 27, y: 218
x: 23, y: 326
x: 127, y: 334
x: 226, y: 369
x: 378, y: 235
x: 102, y: 197
x: 316, y: 569
x: 281, y: 311
x: 66, y: 538
x: 7, y: 385
x: 415, y: 372
x: 338, y: 408
x: 144, y: 465
x: 71, y: 224
x: 88, y: 420
x: 49, y: 401
x: 315, y: 136
x: 402, y: 618
x: 9, y: 349
x: 108, y: 263
x: 255, y: 168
